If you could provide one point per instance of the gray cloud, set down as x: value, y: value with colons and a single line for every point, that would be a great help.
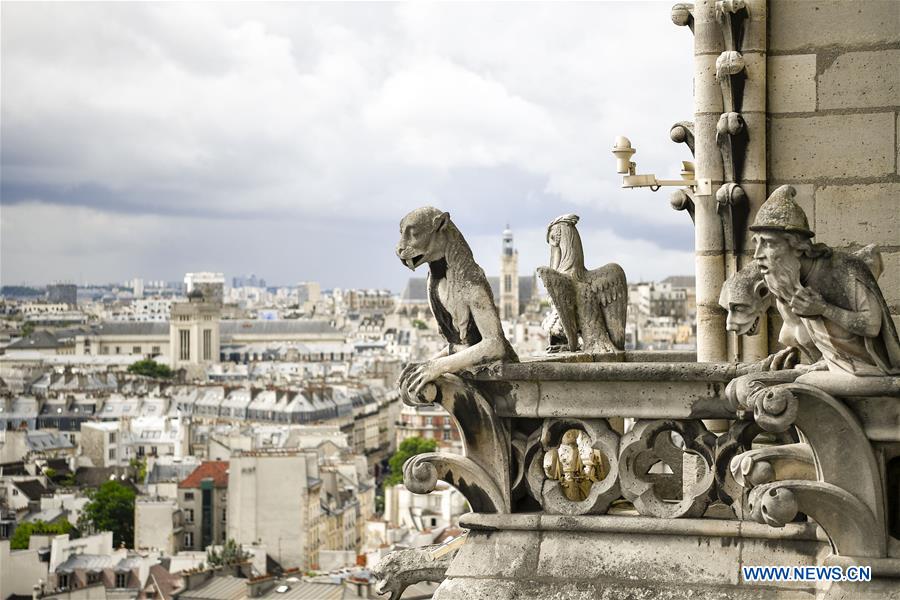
x: 288, y: 139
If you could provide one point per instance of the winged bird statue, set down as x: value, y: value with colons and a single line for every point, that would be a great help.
x: 589, y: 304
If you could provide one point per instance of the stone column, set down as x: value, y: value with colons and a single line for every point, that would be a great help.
x: 708, y: 242
x: 730, y: 140
x: 753, y: 175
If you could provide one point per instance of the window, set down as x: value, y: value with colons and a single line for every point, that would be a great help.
x: 135, y: 349
x: 507, y: 283
x: 185, y: 339
x: 15, y: 491
x: 112, y: 454
x: 121, y: 580
x: 112, y: 437
x: 224, y: 514
x: 447, y: 434
x: 153, y: 451
x: 93, y: 578
x: 189, y: 515
x: 189, y: 495
x: 62, y: 581
x: 118, y: 350
x: 188, y: 540
x: 141, y: 451
x: 156, y: 350
x: 207, y: 344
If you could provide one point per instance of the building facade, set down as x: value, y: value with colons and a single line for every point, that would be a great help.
x: 203, y: 501
x: 274, y: 501
x: 194, y: 334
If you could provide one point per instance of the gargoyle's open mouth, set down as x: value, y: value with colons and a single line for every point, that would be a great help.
x: 380, y: 586
x: 753, y: 328
x: 413, y: 262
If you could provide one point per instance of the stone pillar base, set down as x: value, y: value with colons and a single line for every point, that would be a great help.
x: 525, y: 556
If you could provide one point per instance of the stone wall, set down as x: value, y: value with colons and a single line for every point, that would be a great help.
x: 834, y: 121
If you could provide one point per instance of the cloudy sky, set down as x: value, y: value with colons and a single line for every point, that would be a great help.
x: 287, y: 140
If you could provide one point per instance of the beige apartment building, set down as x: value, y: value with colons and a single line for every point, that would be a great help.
x: 203, y: 500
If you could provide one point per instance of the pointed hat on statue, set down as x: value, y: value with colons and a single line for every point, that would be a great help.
x: 780, y: 212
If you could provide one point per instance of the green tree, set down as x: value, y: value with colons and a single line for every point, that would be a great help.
x: 27, y: 329
x: 24, y: 531
x: 150, y: 368
x: 419, y: 324
x: 138, y: 469
x: 231, y: 553
x: 408, y: 448
x: 111, y: 508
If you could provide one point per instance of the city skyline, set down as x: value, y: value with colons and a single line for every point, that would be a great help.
x: 288, y: 140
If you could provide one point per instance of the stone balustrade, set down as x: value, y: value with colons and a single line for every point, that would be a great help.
x: 622, y: 446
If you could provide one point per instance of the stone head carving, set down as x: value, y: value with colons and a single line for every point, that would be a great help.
x: 746, y: 297
x: 400, y: 569
x: 424, y: 236
x: 566, y: 252
x: 459, y: 295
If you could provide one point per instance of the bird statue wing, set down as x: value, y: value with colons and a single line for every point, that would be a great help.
x: 609, y: 294
x: 561, y: 288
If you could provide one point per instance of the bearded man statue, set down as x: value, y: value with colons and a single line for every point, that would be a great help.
x: 830, y: 299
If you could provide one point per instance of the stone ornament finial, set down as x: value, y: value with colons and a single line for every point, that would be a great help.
x: 460, y: 298
x: 590, y: 304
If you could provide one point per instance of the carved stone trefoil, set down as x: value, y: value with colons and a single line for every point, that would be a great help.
x: 574, y: 470
x: 685, y: 486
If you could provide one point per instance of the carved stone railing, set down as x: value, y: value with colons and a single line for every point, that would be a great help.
x: 628, y: 439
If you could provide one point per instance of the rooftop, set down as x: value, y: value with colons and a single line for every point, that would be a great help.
x: 217, y: 470
x: 36, y: 340
x: 31, y: 488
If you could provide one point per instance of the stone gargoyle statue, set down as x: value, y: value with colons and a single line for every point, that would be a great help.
x: 402, y: 568
x: 589, y: 304
x: 829, y: 299
x: 459, y: 295
x: 747, y: 298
